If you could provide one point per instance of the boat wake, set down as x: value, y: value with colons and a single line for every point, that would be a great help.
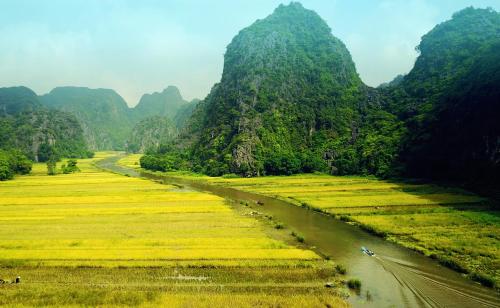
x: 433, y: 291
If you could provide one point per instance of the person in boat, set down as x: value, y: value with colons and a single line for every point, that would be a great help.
x: 367, y: 251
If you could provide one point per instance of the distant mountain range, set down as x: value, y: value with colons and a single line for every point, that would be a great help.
x: 25, y: 124
x: 106, y: 119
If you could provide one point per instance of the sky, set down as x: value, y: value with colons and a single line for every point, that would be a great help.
x: 137, y: 47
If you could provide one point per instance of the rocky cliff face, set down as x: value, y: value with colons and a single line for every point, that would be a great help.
x: 150, y: 133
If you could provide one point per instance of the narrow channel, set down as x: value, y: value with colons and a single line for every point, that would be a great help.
x: 394, y: 277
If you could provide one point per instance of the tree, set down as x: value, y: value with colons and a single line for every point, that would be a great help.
x: 48, y: 153
x: 51, y: 167
x: 13, y: 162
x: 70, y: 167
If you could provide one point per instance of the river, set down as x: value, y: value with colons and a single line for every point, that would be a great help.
x: 394, y: 277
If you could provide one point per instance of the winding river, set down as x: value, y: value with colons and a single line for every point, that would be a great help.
x: 394, y: 277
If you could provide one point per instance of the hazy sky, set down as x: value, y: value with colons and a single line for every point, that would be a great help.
x: 138, y: 47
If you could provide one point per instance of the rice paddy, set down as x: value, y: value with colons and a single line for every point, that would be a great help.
x: 458, y: 228
x: 98, y: 238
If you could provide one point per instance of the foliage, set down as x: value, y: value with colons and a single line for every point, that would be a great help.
x: 166, y: 162
x: 354, y: 284
x: 449, y: 102
x: 70, y: 167
x: 47, y: 152
x: 102, y: 113
x: 13, y: 162
x: 304, y: 109
x: 286, y: 80
x: 29, y: 127
x: 51, y: 167
x: 341, y: 269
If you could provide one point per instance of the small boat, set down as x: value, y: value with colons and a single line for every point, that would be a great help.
x: 367, y: 251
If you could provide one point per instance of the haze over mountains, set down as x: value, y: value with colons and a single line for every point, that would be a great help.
x: 106, y: 119
x: 26, y: 125
x: 290, y: 100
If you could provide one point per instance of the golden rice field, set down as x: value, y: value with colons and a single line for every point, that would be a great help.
x: 449, y: 224
x: 98, y: 238
x: 131, y: 161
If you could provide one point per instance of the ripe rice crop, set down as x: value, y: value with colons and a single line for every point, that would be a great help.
x: 445, y: 223
x: 95, y: 238
x: 103, y: 218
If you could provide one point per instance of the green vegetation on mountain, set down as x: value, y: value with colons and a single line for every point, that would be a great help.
x: 450, y: 101
x: 103, y: 114
x: 150, y: 133
x: 162, y: 116
x: 164, y: 104
x: 184, y: 113
x: 290, y: 101
x: 108, y: 123
x: 287, y: 87
x: 27, y: 129
x: 17, y: 99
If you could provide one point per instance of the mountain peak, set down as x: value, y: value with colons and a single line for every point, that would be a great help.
x: 290, y: 39
x: 172, y: 90
x: 165, y: 103
x: 467, y: 31
x: 16, y: 99
x: 283, y: 67
x: 294, y: 5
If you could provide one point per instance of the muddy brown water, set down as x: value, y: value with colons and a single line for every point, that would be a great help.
x: 394, y: 277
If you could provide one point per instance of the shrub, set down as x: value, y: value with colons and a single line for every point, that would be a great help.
x: 13, y: 162
x: 341, y: 269
x: 354, y: 284
x: 282, y: 164
x: 6, y: 172
x: 345, y: 218
x: 51, y: 168
x: 483, y: 279
x: 70, y: 167
x: 450, y: 263
x: 299, y: 237
x: 20, y: 163
x: 279, y: 225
